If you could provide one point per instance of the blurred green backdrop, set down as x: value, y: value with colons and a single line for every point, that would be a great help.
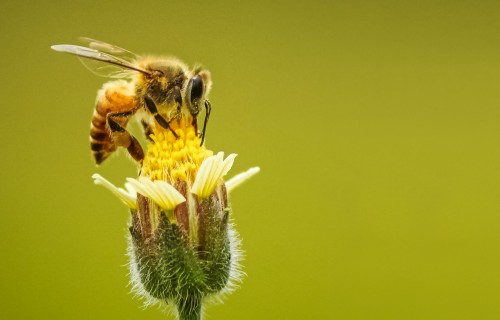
x: 375, y: 123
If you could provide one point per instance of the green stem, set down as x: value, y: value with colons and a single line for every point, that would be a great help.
x: 190, y: 308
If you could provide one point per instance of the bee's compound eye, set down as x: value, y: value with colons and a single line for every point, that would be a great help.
x: 196, y: 89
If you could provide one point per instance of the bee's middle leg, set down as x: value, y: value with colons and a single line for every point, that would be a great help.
x: 147, y: 130
x: 121, y: 137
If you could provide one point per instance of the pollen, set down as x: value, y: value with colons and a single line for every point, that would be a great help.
x: 173, y: 159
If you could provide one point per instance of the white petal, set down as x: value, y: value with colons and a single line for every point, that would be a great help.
x: 228, y: 163
x: 172, y: 197
x: 202, y: 175
x: 214, y: 170
x: 211, y: 171
x: 240, y: 178
x: 138, y: 186
x: 152, y: 191
x: 129, y: 197
x: 130, y: 188
x: 162, y: 193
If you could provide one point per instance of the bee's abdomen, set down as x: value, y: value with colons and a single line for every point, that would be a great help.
x: 115, y: 96
x: 101, y: 144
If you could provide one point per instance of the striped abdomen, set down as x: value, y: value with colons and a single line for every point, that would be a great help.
x: 113, y: 97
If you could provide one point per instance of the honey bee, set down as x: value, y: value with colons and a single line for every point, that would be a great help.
x: 154, y: 90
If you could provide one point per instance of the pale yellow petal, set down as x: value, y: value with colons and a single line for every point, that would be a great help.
x: 240, y: 178
x: 129, y: 197
x: 172, y: 197
x: 162, y: 193
x: 210, y: 174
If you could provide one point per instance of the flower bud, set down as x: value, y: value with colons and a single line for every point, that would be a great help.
x: 183, y: 249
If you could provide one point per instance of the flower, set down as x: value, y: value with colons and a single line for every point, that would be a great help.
x: 183, y: 248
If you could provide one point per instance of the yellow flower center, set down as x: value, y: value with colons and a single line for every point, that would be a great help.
x: 174, y: 159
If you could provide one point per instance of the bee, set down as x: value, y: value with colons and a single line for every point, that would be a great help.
x: 154, y: 90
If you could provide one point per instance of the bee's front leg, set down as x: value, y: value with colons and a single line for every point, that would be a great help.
x: 151, y: 106
x: 208, y: 108
x: 121, y: 137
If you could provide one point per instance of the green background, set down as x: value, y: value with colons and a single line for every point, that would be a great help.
x: 375, y: 123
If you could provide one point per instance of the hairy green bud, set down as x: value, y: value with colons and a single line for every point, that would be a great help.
x: 183, y: 248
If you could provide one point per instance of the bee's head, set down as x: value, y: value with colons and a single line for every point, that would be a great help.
x: 170, y: 83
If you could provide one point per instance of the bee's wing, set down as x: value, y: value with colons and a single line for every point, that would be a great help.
x: 109, y: 48
x: 107, y: 64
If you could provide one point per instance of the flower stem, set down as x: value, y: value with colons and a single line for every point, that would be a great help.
x: 190, y: 308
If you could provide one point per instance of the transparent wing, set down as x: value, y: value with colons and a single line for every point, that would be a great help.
x: 109, y: 48
x: 107, y: 70
x: 101, y: 63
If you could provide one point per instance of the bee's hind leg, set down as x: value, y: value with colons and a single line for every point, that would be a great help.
x: 121, y: 137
